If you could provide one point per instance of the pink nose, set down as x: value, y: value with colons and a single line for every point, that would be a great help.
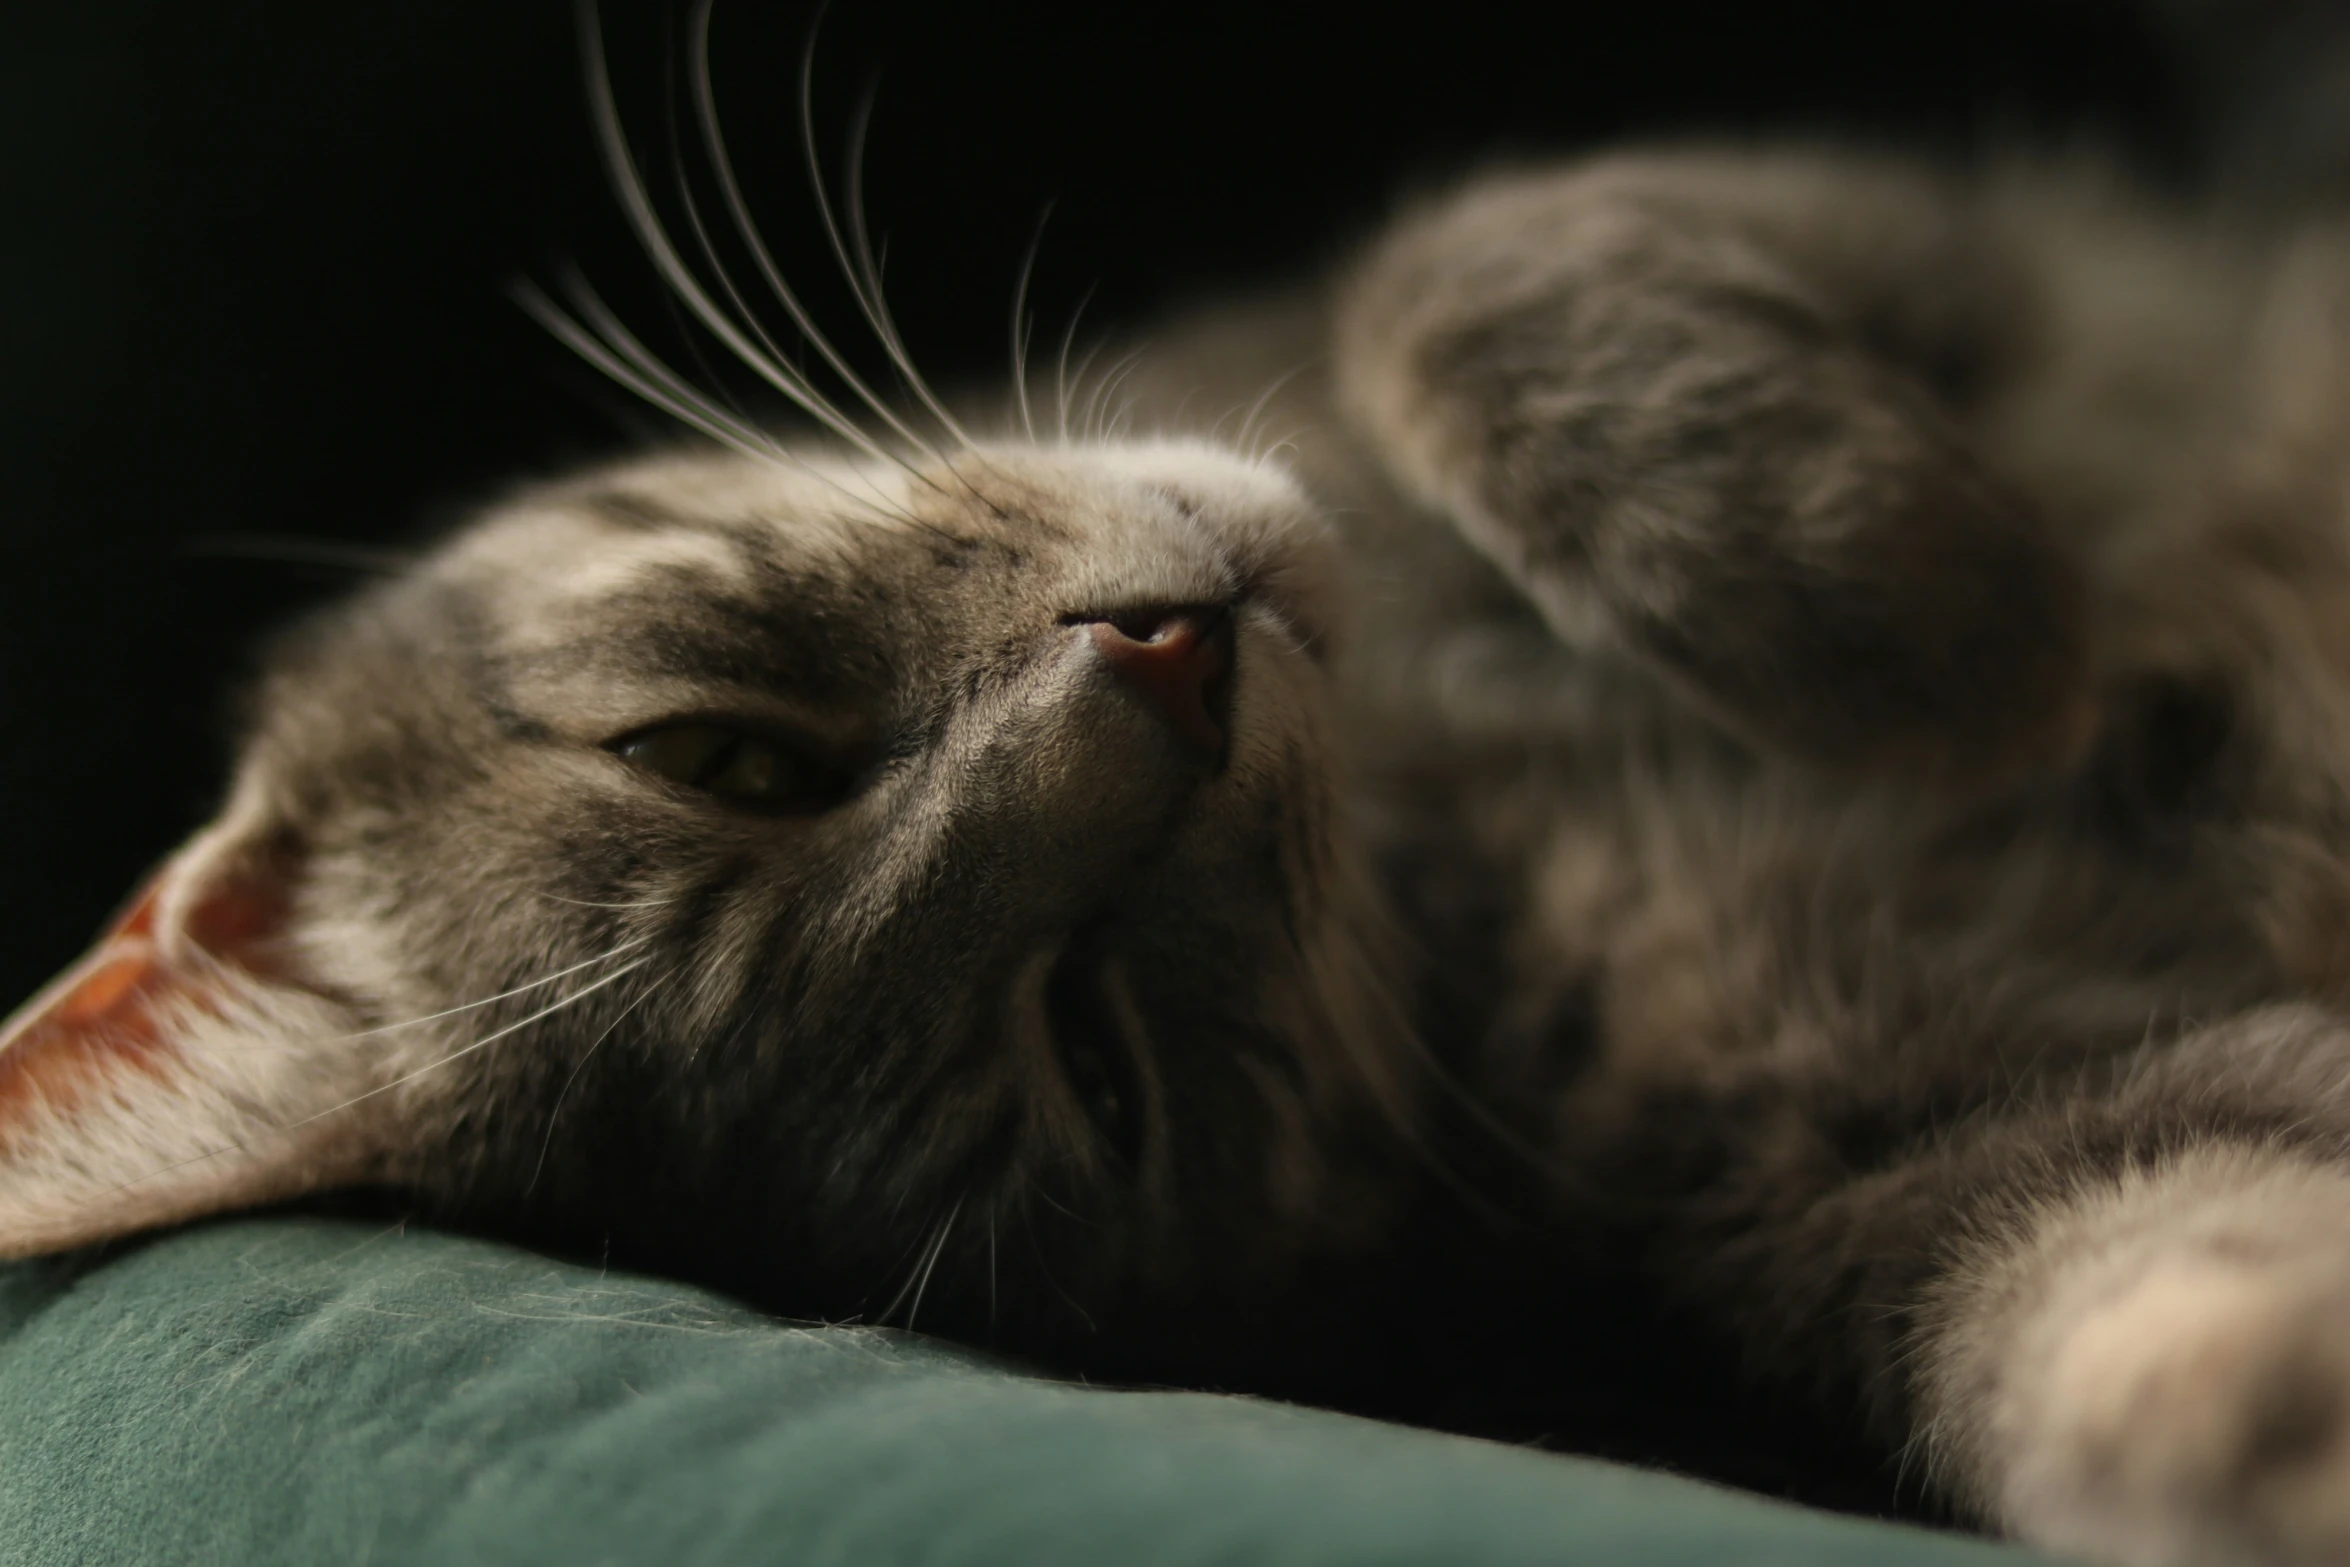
x: 1177, y: 660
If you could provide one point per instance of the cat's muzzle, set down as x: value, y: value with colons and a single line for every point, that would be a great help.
x: 1178, y: 661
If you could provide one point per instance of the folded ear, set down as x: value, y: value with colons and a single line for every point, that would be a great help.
x: 181, y: 1067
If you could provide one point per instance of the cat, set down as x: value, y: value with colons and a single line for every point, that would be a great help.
x: 1778, y: 722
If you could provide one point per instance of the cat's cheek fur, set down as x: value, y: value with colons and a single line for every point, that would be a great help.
x: 180, y: 1068
x: 2159, y: 1372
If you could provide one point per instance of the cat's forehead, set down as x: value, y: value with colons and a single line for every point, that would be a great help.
x: 827, y: 587
x: 730, y: 526
x: 675, y: 521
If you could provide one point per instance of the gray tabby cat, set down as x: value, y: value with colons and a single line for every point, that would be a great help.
x: 1789, y: 715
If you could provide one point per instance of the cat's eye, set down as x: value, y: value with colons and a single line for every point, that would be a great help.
x: 739, y: 765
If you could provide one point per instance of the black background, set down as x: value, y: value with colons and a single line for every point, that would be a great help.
x: 252, y: 288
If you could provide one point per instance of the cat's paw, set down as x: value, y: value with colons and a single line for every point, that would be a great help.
x: 2198, y: 1414
x: 1656, y: 430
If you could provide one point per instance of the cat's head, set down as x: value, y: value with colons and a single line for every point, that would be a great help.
x: 844, y: 880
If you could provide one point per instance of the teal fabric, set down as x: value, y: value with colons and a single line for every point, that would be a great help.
x: 306, y: 1391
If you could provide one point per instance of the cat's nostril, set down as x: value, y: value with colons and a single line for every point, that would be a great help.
x: 1179, y: 660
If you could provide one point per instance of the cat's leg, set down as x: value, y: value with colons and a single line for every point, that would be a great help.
x: 1704, y: 405
x: 2158, y: 1371
x: 2115, y: 1322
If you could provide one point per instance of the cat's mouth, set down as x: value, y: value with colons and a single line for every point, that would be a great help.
x: 1096, y: 1040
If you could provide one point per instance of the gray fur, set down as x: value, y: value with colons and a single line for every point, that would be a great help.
x: 1817, y: 729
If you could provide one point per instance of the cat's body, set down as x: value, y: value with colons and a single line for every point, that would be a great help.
x: 1809, y: 779
x: 1798, y: 1032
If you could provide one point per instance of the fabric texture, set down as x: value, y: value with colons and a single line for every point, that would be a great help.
x: 311, y: 1391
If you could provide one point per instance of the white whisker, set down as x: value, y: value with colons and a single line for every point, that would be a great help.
x: 1061, y: 373
x: 1084, y: 368
x: 491, y: 1038
x: 632, y: 365
x: 730, y: 188
x: 583, y: 903
x: 778, y: 359
x: 1119, y: 369
x: 1265, y: 398
x: 553, y: 1114
x: 926, y: 1258
x: 289, y: 551
x: 862, y: 267
x: 1020, y: 324
x: 655, y: 382
x: 506, y: 995
x: 945, y: 1233
x: 650, y: 233
x: 992, y: 1218
x: 405, y: 1078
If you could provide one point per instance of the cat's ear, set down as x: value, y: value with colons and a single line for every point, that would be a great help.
x: 182, y: 1066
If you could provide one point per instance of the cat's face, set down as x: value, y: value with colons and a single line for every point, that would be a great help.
x: 848, y: 881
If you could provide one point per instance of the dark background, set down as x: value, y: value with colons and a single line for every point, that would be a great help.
x: 252, y: 288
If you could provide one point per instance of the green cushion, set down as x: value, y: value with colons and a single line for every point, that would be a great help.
x: 306, y: 1391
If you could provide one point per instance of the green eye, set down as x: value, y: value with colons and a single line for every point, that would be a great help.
x: 732, y: 764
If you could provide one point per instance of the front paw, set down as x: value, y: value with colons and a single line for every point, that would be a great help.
x: 2198, y: 1414
x: 1663, y: 437
x: 1875, y: 600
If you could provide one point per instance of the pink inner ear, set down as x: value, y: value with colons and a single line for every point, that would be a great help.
x: 238, y: 920
x: 97, y: 1017
x: 100, y: 1015
x: 178, y: 1068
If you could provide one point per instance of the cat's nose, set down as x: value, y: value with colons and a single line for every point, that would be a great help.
x: 1178, y: 660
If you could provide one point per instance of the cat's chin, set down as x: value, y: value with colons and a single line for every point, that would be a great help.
x: 1097, y: 1041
